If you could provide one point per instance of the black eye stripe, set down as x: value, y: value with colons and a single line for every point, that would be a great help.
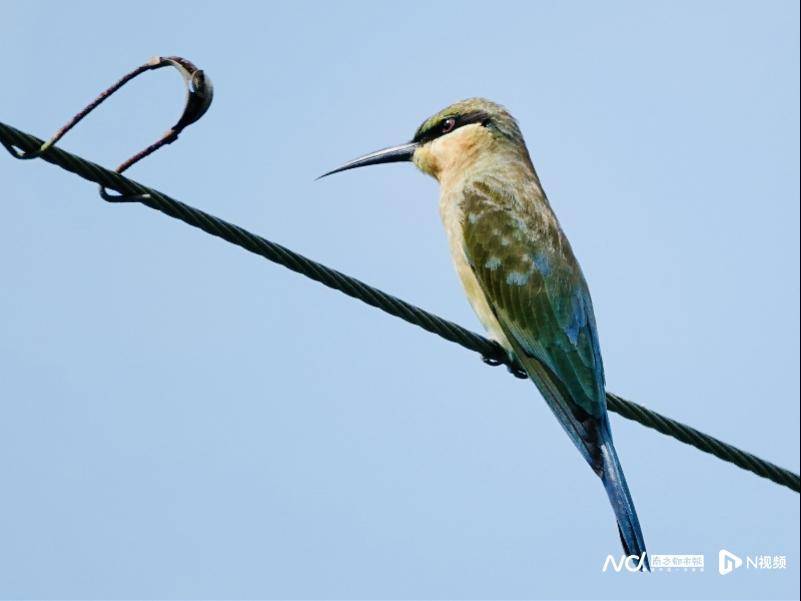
x: 441, y: 127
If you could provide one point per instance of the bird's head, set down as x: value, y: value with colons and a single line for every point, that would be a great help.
x: 459, y: 137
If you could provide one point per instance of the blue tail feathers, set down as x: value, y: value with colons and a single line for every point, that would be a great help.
x: 622, y: 504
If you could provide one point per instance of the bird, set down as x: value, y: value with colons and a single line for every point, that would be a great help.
x: 520, y: 275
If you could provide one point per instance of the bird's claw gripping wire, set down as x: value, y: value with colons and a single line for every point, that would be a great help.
x: 500, y: 358
x: 198, y: 98
x: 492, y: 361
x: 517, y: 372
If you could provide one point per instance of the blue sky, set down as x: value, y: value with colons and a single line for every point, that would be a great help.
x: 181, y: 419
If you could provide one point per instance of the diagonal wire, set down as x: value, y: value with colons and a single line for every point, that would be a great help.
x: 12, y: 138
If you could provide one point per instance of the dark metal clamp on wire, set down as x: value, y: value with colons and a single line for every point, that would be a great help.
x: 198, y: 98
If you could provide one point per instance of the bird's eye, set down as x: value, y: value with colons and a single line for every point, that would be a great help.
x: 448, y: 125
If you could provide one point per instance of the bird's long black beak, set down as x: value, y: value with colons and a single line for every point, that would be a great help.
x: 394, y: 154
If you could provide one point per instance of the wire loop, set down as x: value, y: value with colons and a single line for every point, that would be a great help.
x: 199, y: 94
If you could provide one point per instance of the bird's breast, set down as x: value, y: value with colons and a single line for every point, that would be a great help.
x: 452, y: 215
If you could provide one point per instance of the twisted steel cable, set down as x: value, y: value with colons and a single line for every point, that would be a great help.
x: 132, y: 191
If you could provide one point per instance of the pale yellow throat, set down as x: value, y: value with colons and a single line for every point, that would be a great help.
x: 449, y: 157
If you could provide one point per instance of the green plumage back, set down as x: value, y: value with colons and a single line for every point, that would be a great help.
x: 527, y: 270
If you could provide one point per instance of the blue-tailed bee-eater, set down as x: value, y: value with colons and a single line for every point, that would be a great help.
x: 521, y: 275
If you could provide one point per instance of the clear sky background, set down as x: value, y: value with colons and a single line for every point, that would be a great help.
x: 182, y: 419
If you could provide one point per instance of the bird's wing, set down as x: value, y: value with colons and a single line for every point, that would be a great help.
x: 534, y: 285
x: 538, y: 294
